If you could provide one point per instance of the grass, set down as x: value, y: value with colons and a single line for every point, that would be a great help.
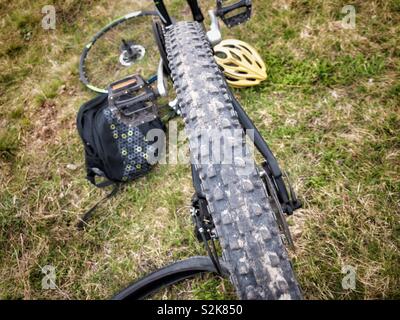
x: 329, y: 109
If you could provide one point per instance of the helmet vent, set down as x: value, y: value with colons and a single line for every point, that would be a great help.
x: 247, y: 59
x: 221, y: 54
x: 247, y: 49
x: 231, y: 64
x: 231, y: 79
x: 235, y: 55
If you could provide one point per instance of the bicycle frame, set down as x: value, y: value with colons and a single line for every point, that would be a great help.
x: 165, y: 17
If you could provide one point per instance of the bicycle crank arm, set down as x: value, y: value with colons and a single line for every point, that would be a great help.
x: 214, y: 35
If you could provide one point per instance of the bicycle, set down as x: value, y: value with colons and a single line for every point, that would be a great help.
x: 240, y: 204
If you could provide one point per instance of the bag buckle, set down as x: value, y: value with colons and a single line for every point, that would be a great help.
x: 242, y: 9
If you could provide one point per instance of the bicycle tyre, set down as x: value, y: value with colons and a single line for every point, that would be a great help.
x: 251, y: 243
x: 167, y: 276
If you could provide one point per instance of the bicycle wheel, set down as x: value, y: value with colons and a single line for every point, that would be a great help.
x: 125, y: 46
x: 167, y: 276
x: 251, y: 243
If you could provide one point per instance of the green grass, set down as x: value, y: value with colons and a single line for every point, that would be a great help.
x: 329, y: 109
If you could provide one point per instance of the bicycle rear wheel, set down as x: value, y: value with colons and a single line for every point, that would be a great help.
x: 123, y: 47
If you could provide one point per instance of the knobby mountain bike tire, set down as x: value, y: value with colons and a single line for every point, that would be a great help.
x: 251, y: 243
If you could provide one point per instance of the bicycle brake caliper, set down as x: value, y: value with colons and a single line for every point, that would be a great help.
x: 205, y: 228
x: 287, y: 200
x: 202, y: 218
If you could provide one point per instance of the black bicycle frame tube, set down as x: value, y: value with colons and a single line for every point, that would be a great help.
x: 162, y: 10
x: 196, y: 12
x: 166, y: 19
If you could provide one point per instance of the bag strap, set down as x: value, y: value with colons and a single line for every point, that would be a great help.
x: 85, y: 217
x: 91, y: 176
x: 95, y: 102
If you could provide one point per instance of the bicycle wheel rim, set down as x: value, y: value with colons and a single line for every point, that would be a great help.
x: 97, y: 71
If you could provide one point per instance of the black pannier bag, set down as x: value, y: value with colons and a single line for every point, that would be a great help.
x: 114, y: 129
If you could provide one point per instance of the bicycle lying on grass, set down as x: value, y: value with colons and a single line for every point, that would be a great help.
x: 240, y: 204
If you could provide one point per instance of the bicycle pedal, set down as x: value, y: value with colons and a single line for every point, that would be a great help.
x: 133, y: 95
x: 234, y: 14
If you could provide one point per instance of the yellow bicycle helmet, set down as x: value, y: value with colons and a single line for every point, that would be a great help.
x: 240, y: 62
